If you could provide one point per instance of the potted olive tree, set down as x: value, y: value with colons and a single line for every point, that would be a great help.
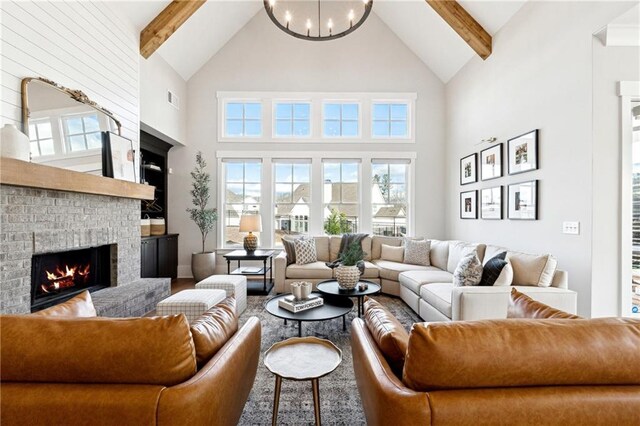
x: 203, y: 263
x: 351, y: 266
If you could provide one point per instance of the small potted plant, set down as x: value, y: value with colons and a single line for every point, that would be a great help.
x: 203, y: 263
x: 351, y: 266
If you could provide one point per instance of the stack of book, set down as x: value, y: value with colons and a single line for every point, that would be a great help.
x: 292, y: 305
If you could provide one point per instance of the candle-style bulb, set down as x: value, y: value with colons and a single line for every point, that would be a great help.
x: 308, y: 27
x: 330, y: 25
x: 351, y: 16
x: 272, y: 3
x: 287, y: 17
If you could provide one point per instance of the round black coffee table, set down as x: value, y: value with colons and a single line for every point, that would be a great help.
x: 332, y: 308
x: 330, y: 287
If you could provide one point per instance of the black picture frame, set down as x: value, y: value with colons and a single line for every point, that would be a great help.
x: 469, y: 204
x: 470, y: 161
x: 499, y: 215
x: 522, y: 153
x: 515, y: 202
x: 118, y: 157
x: 485, y: 156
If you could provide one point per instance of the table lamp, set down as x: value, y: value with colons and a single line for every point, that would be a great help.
x: 250, y: 223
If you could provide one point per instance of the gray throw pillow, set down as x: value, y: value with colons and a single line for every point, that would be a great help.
x: 305, y: 251
x: 469, y: 270
x: 290, y: 249
x: 416, y: 252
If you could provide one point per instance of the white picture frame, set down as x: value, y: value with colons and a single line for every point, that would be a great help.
x: 491, y: 162
x: 491, y: 203
x: 469, y: 204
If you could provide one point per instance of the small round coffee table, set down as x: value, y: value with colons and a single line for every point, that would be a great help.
x: 331, y: 287
x: 301, y: 358
x: 332, y: 308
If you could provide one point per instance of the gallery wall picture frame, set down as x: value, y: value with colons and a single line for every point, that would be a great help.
x: 522, y: 201
x: 491, y: 203
x: 469, y: 204
x: 522, y: 153
x: 491, y: 162
x: 118, y: 157
x: 469, y: 169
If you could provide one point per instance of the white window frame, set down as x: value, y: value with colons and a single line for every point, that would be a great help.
x: 342, y: 102
x: 410, y: 115
x: 274, y: 104
x: 290, y: 161
x: 317, y: 100
x: 358, y: 161
x: 408, y: 182
x: 316, y: 221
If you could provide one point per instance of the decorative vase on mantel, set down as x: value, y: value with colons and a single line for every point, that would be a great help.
x: 14, y: 143
x: 347, y: 276
x: 203, y: 265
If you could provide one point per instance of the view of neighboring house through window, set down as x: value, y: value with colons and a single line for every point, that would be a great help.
x: 293, y: 119
x: 292, y: 198
x: 341, y: 120
x: 341, y: 196
x: 635, y: 284
x: 243, y: 119
x: 82, y: 132
x: 41, y: 137
x: 389, y: 197
x: 242, y: 189
x: 390, y: 120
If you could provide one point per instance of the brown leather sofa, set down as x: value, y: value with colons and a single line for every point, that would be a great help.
x: 515, y: 371
x: 60, y: 369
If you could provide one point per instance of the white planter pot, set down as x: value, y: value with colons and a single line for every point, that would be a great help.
x: 203, y: 265
x: 347, y: 276
x: 14, y: 143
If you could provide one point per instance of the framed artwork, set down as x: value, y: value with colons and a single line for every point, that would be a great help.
x: 118, y: 157
x: 468, y: 169
x: 491, y: 162
x: 491, y: 203
x: 523, y: 153
x: 523, y: 200
x: 469, y: 205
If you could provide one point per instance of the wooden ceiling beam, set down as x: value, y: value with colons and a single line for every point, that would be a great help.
x: 166, y: 23
x: 464, y: 24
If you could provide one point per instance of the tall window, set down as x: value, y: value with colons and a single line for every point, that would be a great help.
x: 242, y: 194
x: 82, y: 132
x: 635, y: 241
x: 341, y: 120
x: 389, y: 197
x: 41, y: 137
x: 243, y: 119
x: 390, y: 120
x: 293, y: 119
x: 341, y: 196
x: 292, y: 198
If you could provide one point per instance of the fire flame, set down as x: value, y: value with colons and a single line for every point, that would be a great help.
x: 65, y: 277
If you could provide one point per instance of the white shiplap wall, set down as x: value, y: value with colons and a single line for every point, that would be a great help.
x: 79, y: 44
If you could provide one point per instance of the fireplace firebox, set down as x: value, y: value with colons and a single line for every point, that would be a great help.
x: 56, y: 277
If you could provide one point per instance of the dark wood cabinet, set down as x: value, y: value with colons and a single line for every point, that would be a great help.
x: 159, y: 256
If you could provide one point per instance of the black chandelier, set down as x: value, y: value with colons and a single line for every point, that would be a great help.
x: 318, y: 21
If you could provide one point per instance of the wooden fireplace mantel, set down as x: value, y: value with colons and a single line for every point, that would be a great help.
x: 23, y: 173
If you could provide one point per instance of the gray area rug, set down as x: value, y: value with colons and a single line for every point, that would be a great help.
x: 340, y: 401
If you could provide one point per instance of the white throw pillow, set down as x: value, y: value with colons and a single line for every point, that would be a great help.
x: 416, y: 252
x: 469, y: 270
x: 506, y: 276
x: 305, y: 251
x: 392, y: 253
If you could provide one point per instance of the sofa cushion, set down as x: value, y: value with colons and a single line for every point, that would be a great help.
x: 322, y: 249
x: 416, y: 252
x: 80, y: 306
x: 144, y: 351
x: 439, y: 254
x: 457, y: 249
x: 438, y: 295
x: 390, y: 270
x: 378, y: 240
x: 305, y: 251
x: 334, y: 247
x: 532, y: 269
x: 289, y: 248
x: 392, y: 254
x: 390, y: 336
x: 506, y: 276
x: 523, y: 306
x: 415, y: 279
x: 491, y: 251
x: 370, y: 270
x: 212, y: 330
x: 310, y: 270
x: 469, y: 270
x: 493, y: 268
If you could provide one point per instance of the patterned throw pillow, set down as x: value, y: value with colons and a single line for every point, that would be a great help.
x: 468, y: 271
x: 305, y: 251
x: 416, y: 252
x: 493, y: 268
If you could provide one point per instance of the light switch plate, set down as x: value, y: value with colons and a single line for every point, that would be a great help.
x: 572, y: 228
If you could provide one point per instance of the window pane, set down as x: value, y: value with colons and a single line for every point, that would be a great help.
x: 398, y: 128
x: 283, y: 111
x: 253, y: 111
x: 283, y: 128
x: 350, y: 111
x: 301, y: 193
x: 332, y: 172
x: 46, y: 147
x: 283, y: 193
x: 332, y: 111
x: 76, y: 143
x: 332, y: 192
x: 232, y: 215
x: 389, y: 220
x: 349, y: 192
x: 252, y: 128
x: 253, y: 172
x: 234, y: 128
x: 301, y: 172
x: 380, y: 128
x: 234, y: 110
x: 74, y: 126
x: 340, y: 219
x: 398, y: 173
x: 234, y: 193
x: 234, y: 172
x: 35, y: 151
x: 44, y: 130
x: 283, y: 172
x: 397, y: 193
x: 331, y: 128
x: 379, y: 169
x: 349, y: 172
x: 290, y: 219
x: 381, y: 111
x: 350, y: 128
x: 399, y: 112
x: 91, y: 123
x: 32, y: 132
x: 301, y: 111
x: 94, y: 140
x: 252, y: 193
x: 301, y: 128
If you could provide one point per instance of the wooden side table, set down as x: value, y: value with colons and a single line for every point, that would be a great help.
x: 302, y: 358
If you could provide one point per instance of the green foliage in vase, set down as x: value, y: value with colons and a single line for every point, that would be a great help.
x: 336, y: 223
x: 352, y: 255
x: 205, y: 218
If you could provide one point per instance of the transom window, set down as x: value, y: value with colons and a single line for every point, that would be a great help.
x: 341, y: 120
x: 242, y: 193
x: 341, y: 196
x: 82, y: 132
x: 243, y: 119
x: 390, y: 120
x: 293, y: 119
x: 292, y: 198
x: 41, y: 137
x: 389, y: 200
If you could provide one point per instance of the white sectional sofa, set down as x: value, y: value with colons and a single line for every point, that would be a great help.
x: 429, y: 290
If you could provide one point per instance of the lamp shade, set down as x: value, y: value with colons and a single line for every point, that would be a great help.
x: 250, y: 223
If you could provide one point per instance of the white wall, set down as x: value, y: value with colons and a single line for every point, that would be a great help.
x: 80, y: 45
x: 538, y: 77
x: 262, y: 58
x: 156, y: 77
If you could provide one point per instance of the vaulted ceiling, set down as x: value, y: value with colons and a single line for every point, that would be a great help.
x: 413, y: 21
